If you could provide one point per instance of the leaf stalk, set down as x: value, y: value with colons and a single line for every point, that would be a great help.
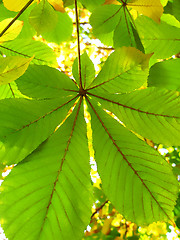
x: 78, y: 43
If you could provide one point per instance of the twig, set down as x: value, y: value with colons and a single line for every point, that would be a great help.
x: 99, y: 208
x: 78, y: 41
x: 16, y: 17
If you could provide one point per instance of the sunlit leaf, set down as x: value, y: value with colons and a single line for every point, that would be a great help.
x: 12, y: 68
x: 161, y: 39
x: 128, y: 168
x: 58, y: 5
x: 62, y: 31
x: 165, y: 74
x: 43, y: 17
x: 15, y: 5
x: 12, y: 32
x: 59, y: 191
x: 87, y: 70
x: 121, y: 71
x: 153, y: 113
x: 27, y: 48
x: 150, y: 8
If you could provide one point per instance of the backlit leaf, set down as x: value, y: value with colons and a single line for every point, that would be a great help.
x: 58, y: 5
x: 12, y: 32
x: 43, y: 17
x: 15, y: 5
x: 161, y: 39
x: 150, y: 8
x: 12, y: 68
x: 58, y: 193
x: 153, y: 113
x: 125, y: 70
x: 128, y: 168
x: 27, y: 48
x: 165, y: 74
x: 87, y: 70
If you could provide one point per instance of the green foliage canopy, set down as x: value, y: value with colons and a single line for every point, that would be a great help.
x: 43, y: 131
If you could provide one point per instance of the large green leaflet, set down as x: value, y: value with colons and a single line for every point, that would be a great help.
x: 125, y: 70
x: 131, y: 171
x: 29, y: 48
x: 139, y: 112
x: 53, y: 187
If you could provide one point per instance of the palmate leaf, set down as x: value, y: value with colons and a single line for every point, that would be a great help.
x: 55, y: 200
x: 134, y: 176
x: 48, y: 194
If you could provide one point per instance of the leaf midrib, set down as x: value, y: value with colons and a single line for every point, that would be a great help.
x: 61, y: 165
x: 38, y: 119
x: 134, y: 109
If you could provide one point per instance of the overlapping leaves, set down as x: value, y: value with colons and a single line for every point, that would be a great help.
x: 48, y: 194
x: 116, y: 24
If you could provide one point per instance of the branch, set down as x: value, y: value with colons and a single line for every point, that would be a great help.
x: 78, y: 42
x: 16, y: 17
x: 99, y: 208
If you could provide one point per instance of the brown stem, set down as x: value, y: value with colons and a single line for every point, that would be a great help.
x: 78, y: 42
x: 99, y: 208
x: 16, y: 17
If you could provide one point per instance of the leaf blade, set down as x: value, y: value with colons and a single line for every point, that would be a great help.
x: 128, y: 172
x: 120, y: 72
x: 12, y: 68
x: 51, y: 197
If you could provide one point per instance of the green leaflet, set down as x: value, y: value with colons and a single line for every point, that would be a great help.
x: 153, y: 113
x: 45, y: 82
x: 25, y: 124
x: 161, y: 39
x: 165, y: 74
x: 125, y: 70
x: 87, y: 70
x: 134, y: 175
x: 12, y: 68
x: 91, y: 4
x: 10, y: 91
x: 62, y: 31
x: 105, y: 18
x: 125, y: 34
x: 28, y: 48
x: 43, y: 17
x: 52, y: 187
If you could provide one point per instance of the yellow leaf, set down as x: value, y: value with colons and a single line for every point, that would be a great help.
x: 112, y: 2
x: 12, y: 32
x: 58, y: 5
x: 149, y: 8
x: 12, y: 68
x: 15, y: 5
